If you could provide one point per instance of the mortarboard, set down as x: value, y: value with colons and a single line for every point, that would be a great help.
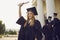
x: 55, y: 14
x: 33, y: 9
x: 49, y: 17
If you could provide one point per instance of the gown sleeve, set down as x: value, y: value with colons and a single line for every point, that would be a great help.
x: 21, y: 21
x: 45, y: 29
x: 38, y: 24
x: 38, y: 30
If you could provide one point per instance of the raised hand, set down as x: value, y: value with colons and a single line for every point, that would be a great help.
x: 21, y: 4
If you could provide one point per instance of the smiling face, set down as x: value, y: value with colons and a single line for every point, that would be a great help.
x: 30, y: 14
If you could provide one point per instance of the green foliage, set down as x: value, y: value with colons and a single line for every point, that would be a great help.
x: 2, y: 28
x: 11, y: 32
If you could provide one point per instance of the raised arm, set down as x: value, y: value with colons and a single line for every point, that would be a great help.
x: 20, y: 5
x: 21, y: 19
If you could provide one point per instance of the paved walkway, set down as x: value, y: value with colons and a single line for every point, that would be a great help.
x: 11, y: 38
x: 8, y: 38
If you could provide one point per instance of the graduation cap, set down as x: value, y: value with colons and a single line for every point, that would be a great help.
x: 55, y: 14
x: 33, y: 9
x: 49, y: 17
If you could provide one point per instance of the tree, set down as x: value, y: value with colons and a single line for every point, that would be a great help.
x: 2, y: 28
x: 11, y: 32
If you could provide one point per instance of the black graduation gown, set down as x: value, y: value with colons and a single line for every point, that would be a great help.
x: 55, y: 20
x: 47, y: 30
x: 55, y: 27
x: 21, y: 22
x: 38, y: 30
x: 29, y: 33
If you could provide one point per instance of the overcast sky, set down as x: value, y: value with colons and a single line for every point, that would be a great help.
x: 9, y: 12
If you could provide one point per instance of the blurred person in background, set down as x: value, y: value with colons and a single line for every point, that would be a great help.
x: 47, y: 29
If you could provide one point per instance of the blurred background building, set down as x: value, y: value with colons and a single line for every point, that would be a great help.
x: 46, y: 8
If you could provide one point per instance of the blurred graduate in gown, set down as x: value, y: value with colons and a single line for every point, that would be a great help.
x: 47, y: 29
x: 56, y: 27
x: 30, y: 28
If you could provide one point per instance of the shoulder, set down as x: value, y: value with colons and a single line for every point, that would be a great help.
x: 56, y: 19
x: 37, y: 21
x: 58, y: 23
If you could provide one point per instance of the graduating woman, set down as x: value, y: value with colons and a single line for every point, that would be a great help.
x: 30, y: 28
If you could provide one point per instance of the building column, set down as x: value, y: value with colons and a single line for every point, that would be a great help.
x: 40, y: 11
x: 50, y: 7
x: 34, y: 3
